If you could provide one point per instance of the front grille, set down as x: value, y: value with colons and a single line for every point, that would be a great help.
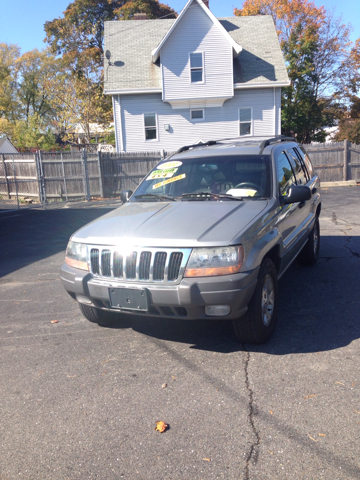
x: 165, y: 265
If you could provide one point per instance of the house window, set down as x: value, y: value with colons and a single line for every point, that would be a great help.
x: 150, y: 126
x: 245, y: 119
x: 196, y: 67
x: 197, y: 115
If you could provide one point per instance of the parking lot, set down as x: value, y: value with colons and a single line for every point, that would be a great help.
x: 80, y: 401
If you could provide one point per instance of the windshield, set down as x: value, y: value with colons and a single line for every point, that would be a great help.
x: 208, y: 178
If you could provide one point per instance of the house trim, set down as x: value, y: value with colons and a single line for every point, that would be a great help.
x: 134, y: 91
x: 197, y: 103
x: 236, y: 47
x: 238, y: 86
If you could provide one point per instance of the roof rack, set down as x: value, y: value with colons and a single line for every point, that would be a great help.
x: 187, y: 147
x: 269, y: 141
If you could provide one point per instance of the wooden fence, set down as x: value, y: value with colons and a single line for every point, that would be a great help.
x: 335, y: 161
x: 47, y: 177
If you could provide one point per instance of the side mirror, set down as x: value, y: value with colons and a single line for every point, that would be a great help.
x: 125, y: 195
x: 297, y: 193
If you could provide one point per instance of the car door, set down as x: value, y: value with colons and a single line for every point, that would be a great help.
x: 289, y: 217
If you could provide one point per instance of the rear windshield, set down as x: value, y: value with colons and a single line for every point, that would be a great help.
x: 246, y: 176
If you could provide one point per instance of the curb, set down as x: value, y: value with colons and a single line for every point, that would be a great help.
x: 340, y: 183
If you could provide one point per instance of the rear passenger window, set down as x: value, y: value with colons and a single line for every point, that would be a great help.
x: 296, y: 165
x: 306, y: 160
x: 285, y: 174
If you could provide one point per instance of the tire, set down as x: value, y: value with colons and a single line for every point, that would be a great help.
x: 310, y: 252
x: 258, y: 323
x: 96, y: 315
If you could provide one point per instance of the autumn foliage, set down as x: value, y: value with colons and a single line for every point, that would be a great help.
x: 322, y: 63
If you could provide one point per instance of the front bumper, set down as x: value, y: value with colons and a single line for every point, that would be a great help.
x: 187, y: 300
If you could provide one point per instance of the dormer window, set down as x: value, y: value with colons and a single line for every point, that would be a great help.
x: 197, y: 67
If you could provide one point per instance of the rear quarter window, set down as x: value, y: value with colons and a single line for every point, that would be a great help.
x: 306, y: 159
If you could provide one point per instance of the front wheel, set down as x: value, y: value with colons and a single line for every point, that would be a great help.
x: 310, y: 252
x: 96, y: 315
x: 258, y: 323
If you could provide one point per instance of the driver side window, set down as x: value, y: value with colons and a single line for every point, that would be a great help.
x: 285, y: 174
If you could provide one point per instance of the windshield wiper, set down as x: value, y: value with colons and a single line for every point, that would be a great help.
x: 158, y: 196
x: 206, y: 195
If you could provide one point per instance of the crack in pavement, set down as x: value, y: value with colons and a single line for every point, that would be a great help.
x: 355, y: 254
x: 253, y: 451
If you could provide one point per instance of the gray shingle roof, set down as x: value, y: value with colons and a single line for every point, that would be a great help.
x: 131, y: 42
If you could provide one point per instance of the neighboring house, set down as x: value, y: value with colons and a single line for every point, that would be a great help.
x: 177, y: 82
x: 6, y: 146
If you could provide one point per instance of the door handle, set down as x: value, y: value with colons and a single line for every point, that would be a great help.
x: 314, y: 190
x: 302, y: 204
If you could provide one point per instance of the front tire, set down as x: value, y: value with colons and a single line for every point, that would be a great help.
x: 96, y: 315
x: 310, y: 253
x: 258, y: 323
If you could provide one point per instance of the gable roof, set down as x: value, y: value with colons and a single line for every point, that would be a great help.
x: 130, y: 42
x: 4, y: 140
x: 236, y: 48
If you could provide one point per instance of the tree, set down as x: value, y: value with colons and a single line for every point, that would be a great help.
x: 33, y: 68
x: 318, y: 54
x: 152, y: 8
x: 9, y: 105
x: 77, y: 98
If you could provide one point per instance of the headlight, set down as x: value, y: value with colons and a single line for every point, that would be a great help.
x: 76, y: 255
x: 208, y: 262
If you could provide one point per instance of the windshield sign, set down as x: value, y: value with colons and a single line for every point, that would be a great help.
x: 213, y: 178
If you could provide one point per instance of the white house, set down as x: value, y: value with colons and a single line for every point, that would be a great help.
x: 176, y: 82
x: 6, y: 146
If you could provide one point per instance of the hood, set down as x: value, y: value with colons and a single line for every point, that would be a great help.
x: 172, y: 224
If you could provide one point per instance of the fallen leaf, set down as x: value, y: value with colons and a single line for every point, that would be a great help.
x: 104, y: 373
x: 54, y: 321
x: 312, y: 438
x: 161, y: 426
x: 207, y: 459
x: 353, y: 385
x: 310, y: 396
x: 270, y: 412
x: 272, y: 453
x: 172, y: 376
x: 322, y: 434
x: 339, y: 383
x: 71, y: 376
x: 102, y: 363
x: 164, y: 385
x: 356, y: 411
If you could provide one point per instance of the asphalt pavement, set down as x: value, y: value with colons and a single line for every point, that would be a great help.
x: 80, y: 401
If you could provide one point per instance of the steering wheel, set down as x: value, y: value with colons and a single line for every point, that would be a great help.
x: 250, y: 185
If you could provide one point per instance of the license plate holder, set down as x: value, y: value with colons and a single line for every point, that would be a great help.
x: 134, y: 299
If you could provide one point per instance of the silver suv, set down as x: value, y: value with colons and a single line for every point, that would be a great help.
x: 207, y: 234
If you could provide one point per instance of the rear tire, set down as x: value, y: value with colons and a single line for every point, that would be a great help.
x: 96, y: 315
x: 258, y: 323
x: 310, y: 252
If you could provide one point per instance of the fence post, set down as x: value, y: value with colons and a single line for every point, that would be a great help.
x: 38, y: 177
x: 43, y: 186
x: 63, y: 171
x: 100, y: 175
x: 346, y: 159
x: 5, y: 175
x: 16, y: 188
x: 85, y: 176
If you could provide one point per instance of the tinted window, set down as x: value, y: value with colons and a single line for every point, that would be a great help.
x: 297, y: 167
x: 306, y: 160
x: 285, y: 174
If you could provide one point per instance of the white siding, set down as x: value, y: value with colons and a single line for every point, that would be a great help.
x: 196, y: 33
x: 220, y: 122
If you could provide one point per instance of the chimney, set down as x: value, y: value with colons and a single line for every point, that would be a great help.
x: 141, y: 16
x: 206, y: 2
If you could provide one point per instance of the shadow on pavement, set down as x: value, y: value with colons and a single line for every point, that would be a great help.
x: 29, y: 236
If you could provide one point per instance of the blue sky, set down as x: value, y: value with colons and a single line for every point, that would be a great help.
x: 22, y: 21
